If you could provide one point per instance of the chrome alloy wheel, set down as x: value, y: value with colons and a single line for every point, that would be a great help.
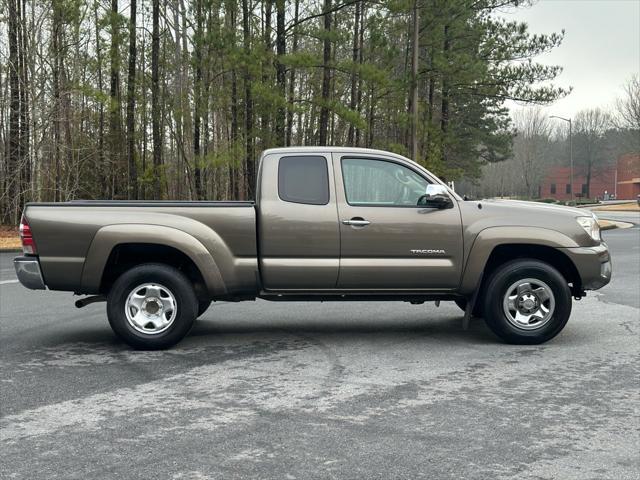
x: 151, y: 308
x: 529, y: 304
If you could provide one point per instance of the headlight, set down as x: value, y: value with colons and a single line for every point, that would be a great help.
x: 591, y: 226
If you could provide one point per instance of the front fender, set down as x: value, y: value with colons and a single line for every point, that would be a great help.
x: 108, y: 237
x: 490, y: 238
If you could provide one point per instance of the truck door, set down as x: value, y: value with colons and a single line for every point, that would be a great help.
x: 299, y: 238
x: 388, y: 242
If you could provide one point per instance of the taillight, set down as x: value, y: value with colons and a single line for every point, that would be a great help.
x: 28, y: 245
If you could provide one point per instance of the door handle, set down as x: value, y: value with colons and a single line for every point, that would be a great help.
x: 356, y: 222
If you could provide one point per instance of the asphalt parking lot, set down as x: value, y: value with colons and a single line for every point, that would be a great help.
x: 334, y: 390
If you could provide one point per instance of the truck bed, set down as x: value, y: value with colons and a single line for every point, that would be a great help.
x: 66, y: 233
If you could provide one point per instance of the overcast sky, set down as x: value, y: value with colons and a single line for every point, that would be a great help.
x: 600, y: 51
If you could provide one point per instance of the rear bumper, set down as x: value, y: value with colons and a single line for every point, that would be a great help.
x: 28, y: 272
x: 593, y: 265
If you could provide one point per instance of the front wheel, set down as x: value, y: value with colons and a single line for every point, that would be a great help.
x: 527, y: 302
x: 152, y: 306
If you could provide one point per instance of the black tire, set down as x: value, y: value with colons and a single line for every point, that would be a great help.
x: 171, y: 280
x: 503, y: 278
x: 203, y: 305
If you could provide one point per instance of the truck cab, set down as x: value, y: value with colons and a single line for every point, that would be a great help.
x: 357, y: 221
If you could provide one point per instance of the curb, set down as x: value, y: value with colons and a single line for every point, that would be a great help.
x: 608, y: 226
x: 603, y: 206
x: 615, y: 224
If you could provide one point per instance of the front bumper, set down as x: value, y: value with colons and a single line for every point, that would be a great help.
x: 28, y: 272
x: 593, y: 265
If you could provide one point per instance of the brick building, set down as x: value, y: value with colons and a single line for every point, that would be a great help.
x: 621, y: 179
x: 629, y: 176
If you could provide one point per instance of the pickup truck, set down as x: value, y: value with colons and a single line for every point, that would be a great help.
x: 328, y: 223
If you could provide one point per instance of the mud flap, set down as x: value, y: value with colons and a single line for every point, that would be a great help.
x: 469, y: 309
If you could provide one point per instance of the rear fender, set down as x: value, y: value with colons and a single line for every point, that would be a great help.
x: 108, y: 237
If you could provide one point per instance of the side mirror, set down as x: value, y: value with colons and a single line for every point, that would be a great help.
x: 436, y: 197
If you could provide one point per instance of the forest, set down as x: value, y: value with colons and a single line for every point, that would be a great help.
x: 133, y: 99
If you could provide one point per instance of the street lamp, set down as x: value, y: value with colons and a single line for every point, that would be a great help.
x: 570, y: 150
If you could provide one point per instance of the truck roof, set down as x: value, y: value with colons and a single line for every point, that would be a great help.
x: 329, y: 149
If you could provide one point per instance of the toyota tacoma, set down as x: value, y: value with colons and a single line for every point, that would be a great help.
x: 328, y: 223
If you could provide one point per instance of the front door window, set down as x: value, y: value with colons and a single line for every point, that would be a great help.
x: 381, y: 183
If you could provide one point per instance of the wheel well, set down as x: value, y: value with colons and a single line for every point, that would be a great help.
x: 128, y: 255
x: 504, y: 253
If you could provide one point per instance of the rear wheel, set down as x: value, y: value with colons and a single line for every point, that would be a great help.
x: 527, y: 302
x: 152, y: 306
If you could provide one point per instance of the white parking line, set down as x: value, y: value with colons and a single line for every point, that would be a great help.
x: 4, y: 282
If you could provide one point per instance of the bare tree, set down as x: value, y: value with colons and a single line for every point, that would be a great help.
x: 155, y: 100
x: 131, y: 103
x: 234, y: 181
x: 249, y: 160
x: 115, y: 113
x: 292, y: 77
x: 25, y: 163
x: 197, y: 97
x: 498, y: 180
x: 326, y: 74
x: 530, y: 147
x: 281, y: 72
x: 100, y: 86
x: 627, y: 114
x: 14, y: 115
x: 590, y: 128
x: 413, y: 96
x: 353, y: 98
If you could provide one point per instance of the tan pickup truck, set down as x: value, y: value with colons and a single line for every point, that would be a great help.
x: 328, y: 223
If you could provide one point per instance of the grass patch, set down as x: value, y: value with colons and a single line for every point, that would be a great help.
x: 620, y: 207
x: 9, y: 239
x: 606, y: 224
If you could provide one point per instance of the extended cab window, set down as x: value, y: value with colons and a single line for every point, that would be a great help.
x: 303, y: 179
x: 381, y: 183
